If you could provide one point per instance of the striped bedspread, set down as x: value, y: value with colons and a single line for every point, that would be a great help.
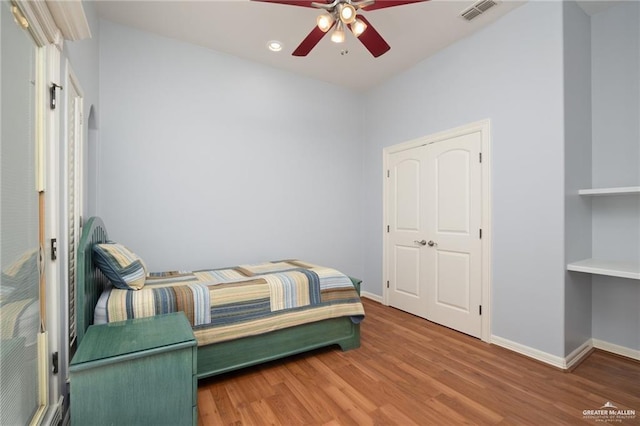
x: 245, y: 300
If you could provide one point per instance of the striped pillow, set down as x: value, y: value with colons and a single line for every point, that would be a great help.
x: 124, y: 268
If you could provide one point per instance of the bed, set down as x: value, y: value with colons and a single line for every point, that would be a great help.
x: 219, y: 349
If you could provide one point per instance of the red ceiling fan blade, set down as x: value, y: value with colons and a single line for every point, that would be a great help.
x: 381, y: 4
x: 310, y: 41
x: 372, y: 39
x: 303, y: 3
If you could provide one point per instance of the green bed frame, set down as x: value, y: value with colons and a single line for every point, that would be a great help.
x: 219, y: 357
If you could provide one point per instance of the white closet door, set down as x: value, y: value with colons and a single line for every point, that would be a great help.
x: 407, y: 227
x: 454, y: 249
x: 434, y: 248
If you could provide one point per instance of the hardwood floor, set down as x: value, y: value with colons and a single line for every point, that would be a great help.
x: 409, y: 371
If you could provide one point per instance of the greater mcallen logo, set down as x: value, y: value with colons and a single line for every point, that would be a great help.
x: 609, y: 413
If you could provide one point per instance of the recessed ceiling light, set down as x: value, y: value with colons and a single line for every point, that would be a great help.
x: 274, y: 46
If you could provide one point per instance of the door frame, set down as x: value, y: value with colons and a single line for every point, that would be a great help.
x: 70, y: 81
x: 484, y: 127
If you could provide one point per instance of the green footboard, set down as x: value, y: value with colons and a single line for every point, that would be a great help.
x: 231, y: 355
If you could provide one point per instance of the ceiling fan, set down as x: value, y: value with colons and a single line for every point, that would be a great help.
x: 341, y: 14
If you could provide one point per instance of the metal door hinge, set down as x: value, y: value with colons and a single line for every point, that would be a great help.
x: 387, y: 228
x: 388, y: 173
x: 387, y: 284
x: 54, y: 249
x: 480, y: 233
x: 52, y: 95
x: 54, y: 362
x: 480, y: 155
x: 479, y: 309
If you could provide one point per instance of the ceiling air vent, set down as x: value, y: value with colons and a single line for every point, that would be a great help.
x: 477, y: 9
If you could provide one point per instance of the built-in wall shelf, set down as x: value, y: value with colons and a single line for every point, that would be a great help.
x: 610, y: 191
x: 607, y: 267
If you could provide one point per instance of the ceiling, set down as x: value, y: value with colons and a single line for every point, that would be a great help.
x: 243, y: 28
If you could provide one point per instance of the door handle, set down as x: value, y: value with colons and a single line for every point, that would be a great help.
x: 422, y: 243
x: 431, y: 243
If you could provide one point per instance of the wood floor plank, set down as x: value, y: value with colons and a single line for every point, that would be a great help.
x: 394, y: 416
x: 225, y: 407
x: 264, y: 412
x: 309, y: 394
x: 409, y: 371
x: 271, y: 374
x: 287, y: 408
x: 208, y: 413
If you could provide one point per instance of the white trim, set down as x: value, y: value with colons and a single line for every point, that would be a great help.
x: 372, y: 296
x: 530, y: 352
x: 41, y: 24
x: 52, y: 215
x: 53, y: 415
x: 42, y: 108
x: 52, y: 21
x: 578, y: 354
x: 610, y: 191
x: 70, y: 18
x: 616, y: 349
x: 484, y: 127
x: 570, y: 360
x: 487, y: 234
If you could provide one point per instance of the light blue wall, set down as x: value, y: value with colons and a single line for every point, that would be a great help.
x: 616, y: 95
x: 208, y: 160
x: 616, y: 162
x: 510, y: 72
x: 83, y: 56
x: 243, y: 140
x: 577, y: 127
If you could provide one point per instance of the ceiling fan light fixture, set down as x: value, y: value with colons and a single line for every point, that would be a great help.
x: 358, y: 27
x: 337, y: 36
x: 347, y: 13
x: 325, y: 21
x: 274, y: 46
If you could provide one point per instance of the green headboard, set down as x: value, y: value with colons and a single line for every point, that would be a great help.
x: 90, y: 281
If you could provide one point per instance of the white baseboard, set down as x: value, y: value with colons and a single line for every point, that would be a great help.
x: 536, y: 354
x: 578, y: 354
x: 616, y: 349
x: 570, y: 360
x: 371, y: 296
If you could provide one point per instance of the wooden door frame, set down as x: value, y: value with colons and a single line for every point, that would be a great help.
x: 484, y: 127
